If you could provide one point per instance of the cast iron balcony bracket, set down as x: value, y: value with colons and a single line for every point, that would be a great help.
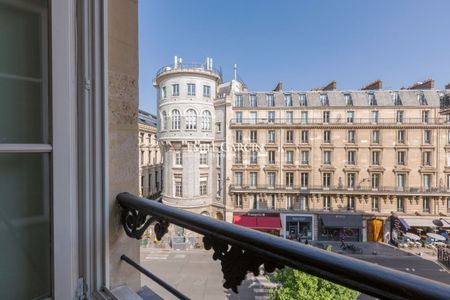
x: 241, y: 250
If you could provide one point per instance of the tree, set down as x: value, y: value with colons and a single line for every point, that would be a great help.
x: 298, y: 285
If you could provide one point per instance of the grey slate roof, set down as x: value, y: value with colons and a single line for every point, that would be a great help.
x: 147, y: 118
x: 336, y: 98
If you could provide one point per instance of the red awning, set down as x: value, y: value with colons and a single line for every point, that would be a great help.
x: 259, y: 223
x: 268, y: 223
x: 245, y: 221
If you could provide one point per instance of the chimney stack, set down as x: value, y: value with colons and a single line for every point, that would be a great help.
x: 330, y: 87
x: 374, y: 85
x: 279, y: 87
x: 426, y: 85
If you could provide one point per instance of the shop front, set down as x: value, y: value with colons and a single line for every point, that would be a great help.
x: 334, y: 227
x: 375, y: 230
x: 267, y: 222
x: 298, y: 227
x: 417, y: 225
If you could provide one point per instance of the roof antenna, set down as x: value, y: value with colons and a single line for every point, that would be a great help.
x: 235, y: 71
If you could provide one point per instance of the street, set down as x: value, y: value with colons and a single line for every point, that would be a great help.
x: 194, y: 273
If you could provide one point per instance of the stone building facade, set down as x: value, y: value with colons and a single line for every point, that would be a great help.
x: 150, y: 160
x: 368, y: 153
x: 186, y: 96
x: 371, y: 151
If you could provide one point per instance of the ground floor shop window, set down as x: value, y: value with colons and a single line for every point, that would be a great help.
x: 337, y: 234
x: 335, y: 227
x: 299, y: 228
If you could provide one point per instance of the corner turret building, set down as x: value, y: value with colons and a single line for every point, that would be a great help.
x: 186, y: 96
x: 321, y: 164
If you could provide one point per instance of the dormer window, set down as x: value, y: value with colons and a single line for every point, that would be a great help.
x: 270, y: 100
x: 421, y: 98
x: 372, y: 99
x: 238, y: 101
x: 324, y: 100
x: 253, y: 102
x: 288, y: 100
x: 396, y: 99
x: 348, y: 99
x: 303, y: 100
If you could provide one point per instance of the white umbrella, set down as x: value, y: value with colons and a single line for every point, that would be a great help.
x: 437, y: 237
x: 412, y: 236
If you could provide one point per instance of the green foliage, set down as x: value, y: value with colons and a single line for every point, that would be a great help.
x: 299, y: 285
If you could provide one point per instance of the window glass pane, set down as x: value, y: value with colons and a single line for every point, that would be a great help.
x: 23, y: 72
x: 25, y: 231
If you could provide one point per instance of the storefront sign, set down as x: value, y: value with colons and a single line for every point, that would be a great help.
x: 298, y: 219
x: 257, y: 214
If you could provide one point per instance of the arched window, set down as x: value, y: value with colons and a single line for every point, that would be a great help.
x: 191, y: 119
x: 164, y: 120
x: 176, y: 119
x: 206, y: 120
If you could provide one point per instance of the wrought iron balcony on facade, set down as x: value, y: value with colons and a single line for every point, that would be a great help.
x: 188, y: 67
x: 339, y: 121
x: 242, y: 250
x: 267, y: 188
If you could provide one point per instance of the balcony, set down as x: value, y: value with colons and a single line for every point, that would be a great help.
x: 336, y: 121
x: 188, y: 68
x: 241, y: 250
x: 339, y: 189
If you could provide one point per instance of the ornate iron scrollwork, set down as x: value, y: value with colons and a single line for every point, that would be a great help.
x: 136, y: 222
x: 237, y: 262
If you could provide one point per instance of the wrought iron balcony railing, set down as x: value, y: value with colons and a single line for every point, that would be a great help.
x: 356, y: 189
x: 243, y: 250
x: 188, y: 67
x: 338, y: 121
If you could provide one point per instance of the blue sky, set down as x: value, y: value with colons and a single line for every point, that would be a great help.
x: 303, y: 43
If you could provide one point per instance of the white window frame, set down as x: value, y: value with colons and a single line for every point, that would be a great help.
x: 271, y: 157
x: 206, y: 91
x: 304, y: 179
x: 206, y: 120
x: 238, y: 201
x: 191, y: 89
x: 326, y: 116
x: 375, y: 136
x: 238, y: 101
x: 289, y: 157
x: 238, y: 178
x: 271, y: 136
x: 327, y: 136
x: 271, y: 179
x: 253, y: 100
x: 253, y: 179
x: 63, y: 184
x: 238, y: 117
x: 305, y: 137
x: 326, y: 202
x: 399, y: 116
x: 175, y: 90
x: 270, y: 100
x: 305, y: 157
